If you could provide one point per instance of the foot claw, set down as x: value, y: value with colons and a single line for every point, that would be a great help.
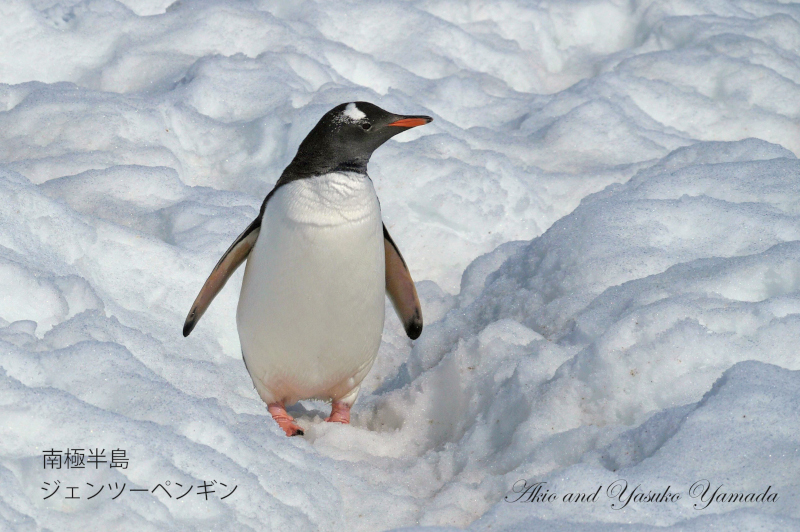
x: 284, y: 420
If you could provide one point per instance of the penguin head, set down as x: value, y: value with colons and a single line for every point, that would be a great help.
x: 346, y: 136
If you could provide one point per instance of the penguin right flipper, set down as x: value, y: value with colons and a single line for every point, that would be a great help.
x: 400, y: 288
x: 230, y: 260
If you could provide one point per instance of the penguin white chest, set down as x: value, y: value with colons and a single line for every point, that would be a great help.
x: 311, y: 310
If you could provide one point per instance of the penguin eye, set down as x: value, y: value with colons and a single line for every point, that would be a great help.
x: 366, y: 126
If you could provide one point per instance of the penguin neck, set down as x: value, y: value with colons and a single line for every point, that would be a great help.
x: 305, y: 167
x: 335, y: 198
x: 358, y: 167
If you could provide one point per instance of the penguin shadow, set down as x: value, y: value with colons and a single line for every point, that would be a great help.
x: 316, y: 409
x: 311, y: 413
x: 398, y: 380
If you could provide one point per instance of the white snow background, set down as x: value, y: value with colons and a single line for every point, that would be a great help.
x: 603, y: 221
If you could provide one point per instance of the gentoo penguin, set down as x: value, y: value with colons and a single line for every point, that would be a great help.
x: 320, y: 260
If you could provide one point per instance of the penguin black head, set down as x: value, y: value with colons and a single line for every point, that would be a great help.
x: 344, y: 139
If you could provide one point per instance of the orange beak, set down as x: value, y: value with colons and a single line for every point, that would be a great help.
x: 411, y: 122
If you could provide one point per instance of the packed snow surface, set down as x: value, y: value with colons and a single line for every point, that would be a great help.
x: 603, y: 220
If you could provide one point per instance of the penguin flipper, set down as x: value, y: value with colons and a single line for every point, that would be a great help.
x: 400, y: 288
x: 230, y: 260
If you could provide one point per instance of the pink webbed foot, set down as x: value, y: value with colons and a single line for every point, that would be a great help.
x: 284, y: 420
x: 340, y: 413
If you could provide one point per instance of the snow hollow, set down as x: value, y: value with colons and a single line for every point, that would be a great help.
x: 603, y: 221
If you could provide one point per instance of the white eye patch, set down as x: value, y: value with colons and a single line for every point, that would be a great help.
x: 352, y: 113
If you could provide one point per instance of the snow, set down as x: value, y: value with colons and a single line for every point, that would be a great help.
x: 602, y: 219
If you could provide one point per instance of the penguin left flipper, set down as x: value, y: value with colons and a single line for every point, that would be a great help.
x: 231, y: 259
x: 400, y: 288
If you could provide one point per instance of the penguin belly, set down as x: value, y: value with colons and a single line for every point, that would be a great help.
x: 311, y: 310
